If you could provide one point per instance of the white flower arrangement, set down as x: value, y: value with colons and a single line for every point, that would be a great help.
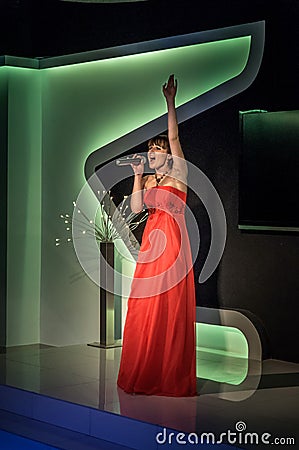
x: 111, y: 222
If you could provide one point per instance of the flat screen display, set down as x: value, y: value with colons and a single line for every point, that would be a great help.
x: 269, y: 171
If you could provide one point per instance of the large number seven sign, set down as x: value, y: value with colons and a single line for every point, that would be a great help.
x: 211, y: 67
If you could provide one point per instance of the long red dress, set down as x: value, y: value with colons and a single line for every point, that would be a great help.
x: 158, y: 354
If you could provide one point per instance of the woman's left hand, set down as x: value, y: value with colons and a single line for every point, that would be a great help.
x: 170, y: 88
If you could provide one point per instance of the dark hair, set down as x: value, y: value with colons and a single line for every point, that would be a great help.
x: 162, y: 140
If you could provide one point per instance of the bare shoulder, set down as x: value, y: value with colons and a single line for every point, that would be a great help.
x: 145, y: 181
x: 148, y: 181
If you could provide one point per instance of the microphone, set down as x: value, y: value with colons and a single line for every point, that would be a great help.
x: 126, y: 160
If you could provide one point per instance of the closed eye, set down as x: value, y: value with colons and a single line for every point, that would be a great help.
x: 155, y: 147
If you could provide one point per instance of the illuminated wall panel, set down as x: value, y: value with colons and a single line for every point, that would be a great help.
x: 24, y: 206
x: 61, y: 112
x: 3, y: 202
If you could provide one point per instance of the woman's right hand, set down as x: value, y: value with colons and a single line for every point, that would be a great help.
x: 138, y: 169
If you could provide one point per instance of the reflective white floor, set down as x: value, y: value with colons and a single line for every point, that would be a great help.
x: 87, y: 375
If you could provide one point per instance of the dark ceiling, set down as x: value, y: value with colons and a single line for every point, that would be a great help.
x: 40, y: 28
x: 52, y: 27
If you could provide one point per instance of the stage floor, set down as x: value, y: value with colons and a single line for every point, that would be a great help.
x: 87, y: 376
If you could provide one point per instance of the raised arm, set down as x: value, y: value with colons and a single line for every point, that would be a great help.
x: 179, y: 163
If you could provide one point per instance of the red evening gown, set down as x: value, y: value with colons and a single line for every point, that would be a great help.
x: 158, y: 354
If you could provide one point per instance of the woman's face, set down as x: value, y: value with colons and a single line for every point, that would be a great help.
x: 157, y: 156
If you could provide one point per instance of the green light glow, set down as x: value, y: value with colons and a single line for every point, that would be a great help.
x: 267, y: 228
x: 24, y: 207
x: 118, y: 84
x: 57, y: 117
x: 222, y: 353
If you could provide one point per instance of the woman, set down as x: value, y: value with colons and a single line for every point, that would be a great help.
x: 158, y: 354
